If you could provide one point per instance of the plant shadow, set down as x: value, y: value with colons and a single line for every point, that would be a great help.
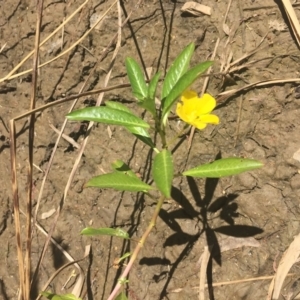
x: 224, y: 207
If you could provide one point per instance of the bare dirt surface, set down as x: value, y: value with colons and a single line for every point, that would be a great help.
x: 261, y: 123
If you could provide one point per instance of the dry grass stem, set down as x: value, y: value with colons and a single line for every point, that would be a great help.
x: 26, y: 293
x: 10, y: 75
x: 294, y: 23
x: 203, y: 269
x: 70, y: 98
x: 66, y: 137
x: 225, y: 95
x: 289, y: 258
x: 223, y: 283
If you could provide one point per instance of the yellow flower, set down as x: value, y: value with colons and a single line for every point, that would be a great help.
x: 196, y: 111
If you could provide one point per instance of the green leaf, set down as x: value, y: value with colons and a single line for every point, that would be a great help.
x: 149, y: 102
x: 52, y: 296
x: 123, y: 257
x: 136, y: 78
x: 163, y: 171
x: 118, y: 232
x: 153, y: 86
x: 149, y: 105
x: 118, y: 106
x: 141, y: 134
x: 182, y: 84
x: 120, y: 166
x: 120, y: 182
x: 107, y: 115
x: 138, y: 131
x: 121, y: 296
x: 177, y: 69
x: 224, y: 167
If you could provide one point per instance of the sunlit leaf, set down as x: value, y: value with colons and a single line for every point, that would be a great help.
x: 136, y: 78
x: 163, y: 172
x: 224, y: 167
x: 149, y: 105
x: 121, y: 296
x: 141, y: 134
x: 177, y: 69
x: 120, y: 166
x: 138, y: 130
x: 145, y: 140
x: 118, y: 232
x: 182, y: 84
x: 53, y: 296
x: 118, y: 106
x: 123, y: 257
x: 149, y: 102
x: 107, y: 115
x: 119, y: 181
x: 153, y: 86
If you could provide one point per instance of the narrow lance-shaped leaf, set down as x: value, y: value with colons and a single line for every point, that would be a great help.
x: 224, y: 167
x: 53, y: 296
x: 149, y: 105
x: 163, y: 172
x: 123, y: 257
x: 121, y: 296
x: 107, y: 115
x: 138, y: 130
x: 136, y: 78
x: 177, y: 69
x: 119, y: 181
x: 118, y: 106
x: 118, y: 232
x: 153, y: 86
x: 149, y: 102
x: 141, y: 134
x: 182, y: 84
x: 120, y: 166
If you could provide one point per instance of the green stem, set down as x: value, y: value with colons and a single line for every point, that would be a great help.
x: 162, y: 133
x: 137, y: 249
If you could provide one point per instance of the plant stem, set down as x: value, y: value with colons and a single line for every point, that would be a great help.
x: 138, y: 248
x: 162, y: 134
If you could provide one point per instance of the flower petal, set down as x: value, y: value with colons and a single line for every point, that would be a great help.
x: 187, y: 95
x: 198, y: 124
x: 209, y: 119
x: 205, y: 104
x: 187, y: 108
x: 196, y: 111
x: 180, y: 112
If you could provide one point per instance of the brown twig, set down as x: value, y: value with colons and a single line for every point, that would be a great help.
x: 222, y: 283
x: 12, y: 132
x: 70, y: 98
x: 10, y: 74
x: 30, y: 154
x: 137, y: 249
x: 203, y: 268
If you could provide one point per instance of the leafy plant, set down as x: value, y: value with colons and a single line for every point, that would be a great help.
x: 52, y: 296
x: 191, y: 109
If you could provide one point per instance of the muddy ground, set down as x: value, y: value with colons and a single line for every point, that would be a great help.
x: 260, y: 122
